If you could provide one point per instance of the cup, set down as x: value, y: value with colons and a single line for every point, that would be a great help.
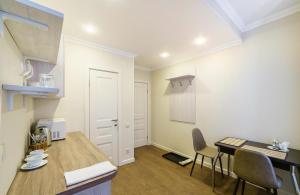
x: 284, y: 146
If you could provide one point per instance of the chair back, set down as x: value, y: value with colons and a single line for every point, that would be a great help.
x: 255, y: 167
x: 198, y: 140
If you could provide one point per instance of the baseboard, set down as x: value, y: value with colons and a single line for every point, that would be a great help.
x: 127, y: 161
x: 198, y: 161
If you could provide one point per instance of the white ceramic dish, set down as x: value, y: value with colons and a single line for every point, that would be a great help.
x: 37, y: 152
x: 277, y: 149
x: 35, y: 157
x: 27, y: 166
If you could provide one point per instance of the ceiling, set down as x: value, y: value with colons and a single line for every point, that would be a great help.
x: 147, y: 28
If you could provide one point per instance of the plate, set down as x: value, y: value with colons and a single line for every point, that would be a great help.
x: 26, y: 167
x: 35, y: 157
x: 36, y: 152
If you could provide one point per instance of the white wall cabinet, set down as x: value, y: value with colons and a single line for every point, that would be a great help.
x: 36, y: 31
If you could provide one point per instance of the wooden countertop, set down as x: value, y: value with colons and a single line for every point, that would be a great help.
x: 75, y: 152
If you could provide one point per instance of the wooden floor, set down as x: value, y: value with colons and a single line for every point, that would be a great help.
x: 151, y: 174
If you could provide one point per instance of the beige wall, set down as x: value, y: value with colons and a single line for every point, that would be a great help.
x: 14, y: 125
x: 142, y: 75
x: 250, y: 91
x: 78, y: 59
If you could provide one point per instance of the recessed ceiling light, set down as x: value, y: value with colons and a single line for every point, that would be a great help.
x: 200, y: 41
x: 164, y: 55
x: 89, y: 28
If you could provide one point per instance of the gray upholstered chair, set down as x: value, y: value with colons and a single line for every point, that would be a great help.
x: 255, y: 168
x: 202, y: 149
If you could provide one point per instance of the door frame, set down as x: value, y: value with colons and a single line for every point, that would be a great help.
x: 148, y: 109
x: 87, y: 102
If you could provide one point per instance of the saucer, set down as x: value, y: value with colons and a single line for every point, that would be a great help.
x: 35, y: 157
x: 27, y: 166
x: 37, y: 152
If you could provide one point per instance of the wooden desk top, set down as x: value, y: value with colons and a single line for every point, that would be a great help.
x: 292, y: 158
x: 75, y: 152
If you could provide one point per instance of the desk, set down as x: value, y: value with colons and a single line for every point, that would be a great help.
x: 290, y: 163
x: 75, y: 152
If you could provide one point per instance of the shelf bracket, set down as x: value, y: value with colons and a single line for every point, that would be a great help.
x: 13, y: 17
x: 10, y: 100
x: 11, y: 95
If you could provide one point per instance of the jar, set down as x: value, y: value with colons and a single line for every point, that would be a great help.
x: 46, y: 80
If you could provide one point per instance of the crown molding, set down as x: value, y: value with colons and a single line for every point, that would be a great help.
x: 97, y: 46
x: 225, y: 11
x: 143, y: 68
x: 205, y: 53
x: 277, y: 16
x: 228, y: 13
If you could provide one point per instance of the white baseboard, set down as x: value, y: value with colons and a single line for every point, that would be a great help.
x: 127, y: 161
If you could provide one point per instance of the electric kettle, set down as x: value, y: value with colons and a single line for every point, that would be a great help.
x: 45, y: 131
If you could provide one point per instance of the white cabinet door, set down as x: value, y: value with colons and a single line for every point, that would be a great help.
x: 140, y: 114
x: 104, y: 112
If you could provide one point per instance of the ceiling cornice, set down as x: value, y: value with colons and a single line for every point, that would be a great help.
x: 143, y: 68
x: 93, y: 45
x: 224, y: 10
x: 282, y: 14
x: 205, y: 53
x: 228, y: 13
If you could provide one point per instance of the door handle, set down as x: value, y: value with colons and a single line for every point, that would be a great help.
x: 115, y: 120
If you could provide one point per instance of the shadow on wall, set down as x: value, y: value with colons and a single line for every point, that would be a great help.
x: 42, y: 105
x: 19, y: 102
x: 201, y: 88
x: 177, y: 86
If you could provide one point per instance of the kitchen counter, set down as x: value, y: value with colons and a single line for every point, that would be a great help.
x: 75, y: 152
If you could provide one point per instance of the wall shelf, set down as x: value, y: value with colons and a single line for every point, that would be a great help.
x: 35, y: 29
x: 180, y: 78
x: 39, y: 92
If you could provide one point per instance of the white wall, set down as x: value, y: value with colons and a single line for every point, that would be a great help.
x: 14, y: 125
x: 79, y: 58
x: 250, y: 91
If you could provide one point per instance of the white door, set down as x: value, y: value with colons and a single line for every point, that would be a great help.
x: 140, y: 114
x: 104, y: 112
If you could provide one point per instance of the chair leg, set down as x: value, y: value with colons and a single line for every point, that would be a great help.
x: 228, y: 165
x: 194, y: 164
x: 275, y: 191
x: 212, y: 164
x: 243, y: 187
x: 202, y: 161
x: 236, y: 186
x: 221, y: 166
